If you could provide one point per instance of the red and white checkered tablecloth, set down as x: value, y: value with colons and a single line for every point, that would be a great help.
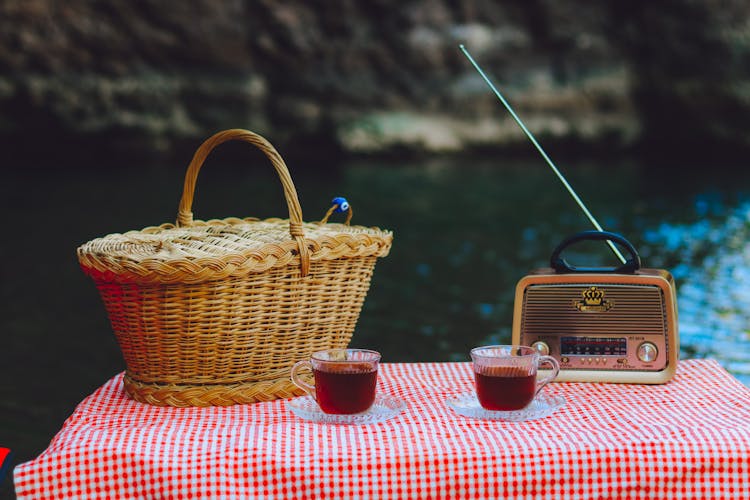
x: 687, y: 439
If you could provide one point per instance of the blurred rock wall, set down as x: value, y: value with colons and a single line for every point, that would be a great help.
x: 96, y: 81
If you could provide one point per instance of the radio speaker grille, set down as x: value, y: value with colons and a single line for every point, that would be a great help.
x: 633, y: 310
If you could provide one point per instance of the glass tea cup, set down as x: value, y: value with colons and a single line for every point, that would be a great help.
x: 505, y: 375
x: 345, y: 379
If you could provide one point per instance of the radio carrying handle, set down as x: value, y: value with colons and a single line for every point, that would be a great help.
x: 630, y: 266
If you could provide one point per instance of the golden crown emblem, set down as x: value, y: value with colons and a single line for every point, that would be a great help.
x: 593, y: 296
x: 593, y: 301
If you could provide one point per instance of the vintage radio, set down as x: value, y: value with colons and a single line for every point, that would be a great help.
x: 601, y: 324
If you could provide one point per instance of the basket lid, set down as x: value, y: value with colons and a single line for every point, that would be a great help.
x: 219, y: 249
x: 193, y: 251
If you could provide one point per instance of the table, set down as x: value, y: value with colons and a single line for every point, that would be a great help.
x: 686, y: 439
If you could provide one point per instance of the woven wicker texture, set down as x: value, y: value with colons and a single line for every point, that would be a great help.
x: 216, y: 312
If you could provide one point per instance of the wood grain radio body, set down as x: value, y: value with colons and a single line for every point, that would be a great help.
x: 602, y: 325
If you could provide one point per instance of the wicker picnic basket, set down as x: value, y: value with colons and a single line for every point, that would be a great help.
x: 210, y: 313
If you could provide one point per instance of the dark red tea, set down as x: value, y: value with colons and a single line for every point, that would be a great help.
x: 346, y: 391
x: 505, y: 393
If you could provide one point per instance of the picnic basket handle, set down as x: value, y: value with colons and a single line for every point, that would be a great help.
x: 185, y: 214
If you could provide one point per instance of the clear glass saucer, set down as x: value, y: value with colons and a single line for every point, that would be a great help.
x: 542, y: 406
x: 383, y: 408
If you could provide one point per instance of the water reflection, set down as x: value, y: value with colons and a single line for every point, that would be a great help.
x: 713, y: 269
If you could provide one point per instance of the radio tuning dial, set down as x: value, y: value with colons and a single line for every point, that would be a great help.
x: 541, y: 347
x: 647, y: 352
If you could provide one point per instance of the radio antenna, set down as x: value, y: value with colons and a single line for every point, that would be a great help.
x: 541, y: 151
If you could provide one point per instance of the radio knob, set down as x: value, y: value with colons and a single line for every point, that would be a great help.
x: 541, y: 347
x: 647, y: 352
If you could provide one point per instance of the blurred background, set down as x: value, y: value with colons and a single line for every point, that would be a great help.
x: 645, y: 106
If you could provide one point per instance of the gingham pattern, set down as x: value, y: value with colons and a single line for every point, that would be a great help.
x: 687, y: 439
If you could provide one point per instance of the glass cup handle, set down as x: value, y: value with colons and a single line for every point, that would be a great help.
x: 549, y: 378
x: 298, y: 380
